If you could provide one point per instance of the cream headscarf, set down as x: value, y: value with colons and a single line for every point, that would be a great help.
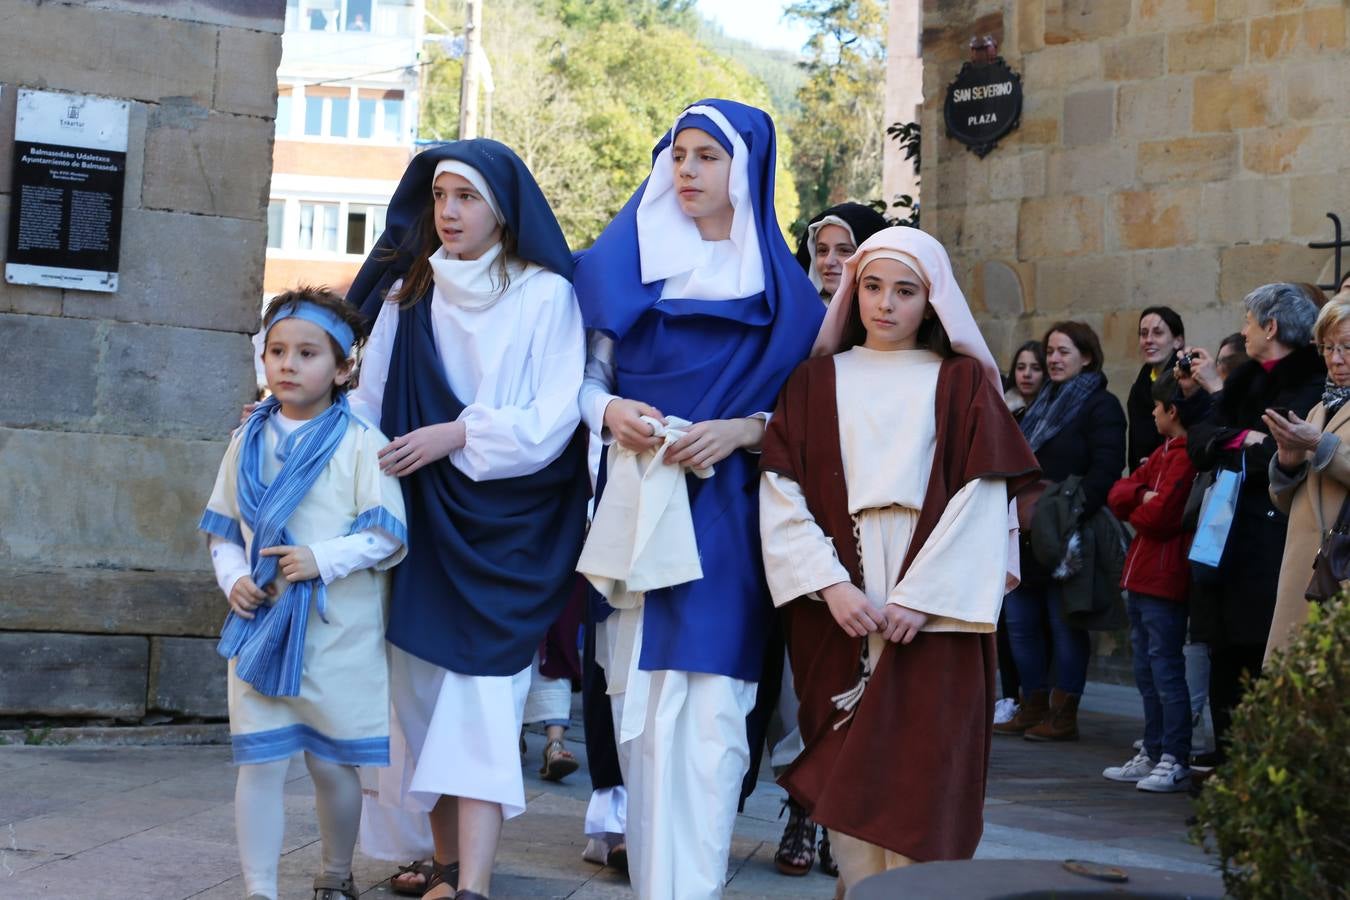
x: 927, y: 257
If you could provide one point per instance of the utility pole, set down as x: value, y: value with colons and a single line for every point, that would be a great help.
x: 468, y: 83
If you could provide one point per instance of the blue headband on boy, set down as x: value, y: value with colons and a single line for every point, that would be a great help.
x: 703, y: 123
x: 326, y: 319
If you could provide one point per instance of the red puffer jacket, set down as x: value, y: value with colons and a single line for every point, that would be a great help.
x: 1156, y: 564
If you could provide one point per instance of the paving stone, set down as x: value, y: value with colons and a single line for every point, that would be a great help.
x: 158, y: 374
x: 109, y: 58
x: 207, y: 162
x: 91, y: 501
x: 187, y: 677
x: 72, y: 674
x: 262, y: 15
x: 1214, y: 47
x: 1084, y: 20
x: 1089, y: 116
x: 187, y: 270
x: 58, y: 359
x: 129, y: 602
x: 248, y: 84
x: 1134, y: 58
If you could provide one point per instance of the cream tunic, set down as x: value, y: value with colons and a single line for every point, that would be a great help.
x: 342, y: 711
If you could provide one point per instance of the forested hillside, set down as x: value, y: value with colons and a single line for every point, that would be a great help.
x: 583, y: 88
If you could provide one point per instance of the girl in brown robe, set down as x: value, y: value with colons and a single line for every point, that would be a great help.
x: 888, y: 470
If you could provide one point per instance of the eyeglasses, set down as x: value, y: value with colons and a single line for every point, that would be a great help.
x: 1330, y: 350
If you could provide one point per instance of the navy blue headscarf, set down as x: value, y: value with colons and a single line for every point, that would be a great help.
x: 539, y: 239
x: 708, y: 359
x: 490, y: 563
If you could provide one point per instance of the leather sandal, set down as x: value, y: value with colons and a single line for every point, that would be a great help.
x: 447, y: 874
x: 796, y: 849
x: 827, y: 862
x: 470, y: 895
x: 558, y: 762
x: 332, y: 887
x: 411, y: 880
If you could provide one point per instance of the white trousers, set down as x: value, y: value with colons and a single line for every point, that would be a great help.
x: 683, y: 775
x: 549, y: 699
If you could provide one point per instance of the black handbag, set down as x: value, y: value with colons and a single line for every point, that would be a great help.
x: 1331, y: 568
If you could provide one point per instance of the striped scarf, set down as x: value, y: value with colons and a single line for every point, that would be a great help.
x: 1056, y: 406
x: 270, y: 646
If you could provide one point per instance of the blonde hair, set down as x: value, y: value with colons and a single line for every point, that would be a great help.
x: 1333, y: 314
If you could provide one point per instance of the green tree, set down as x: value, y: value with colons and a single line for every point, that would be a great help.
x: 838, y: 130
x: 583, y: 103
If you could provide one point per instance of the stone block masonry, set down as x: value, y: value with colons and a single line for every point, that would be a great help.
x: 1183, y: 152
x: 1177, y: 152
x: 118, y: 407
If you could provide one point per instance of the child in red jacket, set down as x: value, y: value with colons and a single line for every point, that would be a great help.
x: 1156, y: 579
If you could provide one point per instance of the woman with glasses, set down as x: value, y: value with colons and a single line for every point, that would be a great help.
x: 1310, y: 473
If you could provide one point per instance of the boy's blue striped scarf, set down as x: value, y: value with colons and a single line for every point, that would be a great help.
x: 270, y: 646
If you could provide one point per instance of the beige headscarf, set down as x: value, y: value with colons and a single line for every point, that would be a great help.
x: 928, y: 258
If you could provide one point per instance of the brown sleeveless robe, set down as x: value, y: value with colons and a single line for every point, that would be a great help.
x: 908, y: 771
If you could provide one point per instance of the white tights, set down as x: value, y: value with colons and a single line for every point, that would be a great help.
x: 259, y: 818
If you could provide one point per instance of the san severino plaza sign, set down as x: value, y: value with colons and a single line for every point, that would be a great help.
x: 984, y: 103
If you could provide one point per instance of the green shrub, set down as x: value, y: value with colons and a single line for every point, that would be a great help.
x: 1277, y: 814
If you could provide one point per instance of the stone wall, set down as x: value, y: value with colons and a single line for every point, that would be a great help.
x: 116, y: 406
x: 1177, y: 152
x: 1170, y: 151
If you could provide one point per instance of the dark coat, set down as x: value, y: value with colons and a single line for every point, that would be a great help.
x: 1143, y: 435
x: 1092, y: 447
x: 1237, y: 608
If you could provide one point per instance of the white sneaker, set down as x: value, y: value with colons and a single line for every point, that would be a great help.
x: 1132, y: 771
x: 1139, y: 744
x: 1167, y: 777
x: 1004, y: 710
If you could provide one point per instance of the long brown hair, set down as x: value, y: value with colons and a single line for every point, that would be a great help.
x: 422, y: 241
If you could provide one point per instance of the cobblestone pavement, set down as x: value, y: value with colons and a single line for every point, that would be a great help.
x: 157, y: 822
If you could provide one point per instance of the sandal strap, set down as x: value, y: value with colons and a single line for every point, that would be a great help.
x: 326, y: 885
x: 799, y: 836
x: 442, y: 873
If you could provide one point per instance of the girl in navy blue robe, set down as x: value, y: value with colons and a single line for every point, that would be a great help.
x: 699, y: 311
x: 473, y: 366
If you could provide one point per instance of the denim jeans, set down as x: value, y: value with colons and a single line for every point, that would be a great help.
x: 1157, y: 636
x: 1028, y: 608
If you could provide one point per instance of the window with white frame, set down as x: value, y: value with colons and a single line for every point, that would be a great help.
x: 276, y: 222
x: 318, y: 226
x: 365, y: 224
x: 326, y: 115
x: 378, y: 16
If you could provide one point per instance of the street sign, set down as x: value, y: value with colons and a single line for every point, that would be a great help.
x: 984, y: 103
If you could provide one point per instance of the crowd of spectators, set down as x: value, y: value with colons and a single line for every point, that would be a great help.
x: 1268, y: 405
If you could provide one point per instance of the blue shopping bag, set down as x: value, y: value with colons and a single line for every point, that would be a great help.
x: 1216, y: 516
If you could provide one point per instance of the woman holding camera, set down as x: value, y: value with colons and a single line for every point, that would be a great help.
x: 1285, y: 372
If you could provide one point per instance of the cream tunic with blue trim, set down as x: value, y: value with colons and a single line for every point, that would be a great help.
x: 342, y: 711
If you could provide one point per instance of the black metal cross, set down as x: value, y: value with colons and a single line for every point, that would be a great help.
x: 1336, y: 243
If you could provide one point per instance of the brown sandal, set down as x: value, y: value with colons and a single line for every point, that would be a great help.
x: 558, y: 762
x: 411, y: 880
x: 447, y: 874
